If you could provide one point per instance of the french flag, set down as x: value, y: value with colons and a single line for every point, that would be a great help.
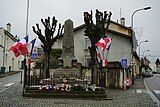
x: 103, y: 63
x: 30, y: 46
x: 22, y: 47
x: 101, y: 43
x: 108, y: 43
x: 19, y: 47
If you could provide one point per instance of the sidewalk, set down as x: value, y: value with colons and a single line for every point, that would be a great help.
x: 138, y: 86
x: 138, y: 83
x: 9, y: 73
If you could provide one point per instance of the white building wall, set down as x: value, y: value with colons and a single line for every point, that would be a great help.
x: 9, y: 57
x: 79, y: 47
x: 120, y: 47
x: 1, y: 45
x: 14, y: 62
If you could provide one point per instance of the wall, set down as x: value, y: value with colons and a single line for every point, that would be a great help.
x: 120, y: 48
x: 9, y: 58
x: 118, y: 28
x: 1, y: 45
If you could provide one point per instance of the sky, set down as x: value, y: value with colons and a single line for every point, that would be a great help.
x: 145, y: 23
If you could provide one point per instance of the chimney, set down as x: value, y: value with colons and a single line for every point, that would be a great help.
x: 123, y: 21
x: 9, y: 27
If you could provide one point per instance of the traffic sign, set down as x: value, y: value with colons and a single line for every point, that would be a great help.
x: 34, y: 55
x: 124, y: 63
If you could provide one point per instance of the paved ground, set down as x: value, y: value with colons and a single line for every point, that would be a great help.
x: 12, y: 97
x: 9, y: 73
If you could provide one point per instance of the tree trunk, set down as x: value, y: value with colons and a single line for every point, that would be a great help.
x: 46, y: 65
x: 94, y: 64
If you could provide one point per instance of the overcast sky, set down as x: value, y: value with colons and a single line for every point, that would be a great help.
x: 146, y: 23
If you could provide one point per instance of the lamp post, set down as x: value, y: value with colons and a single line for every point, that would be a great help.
x: 146, y: 8
x: 145, y: 51
x: 139, y: 46
x: 133, y: 37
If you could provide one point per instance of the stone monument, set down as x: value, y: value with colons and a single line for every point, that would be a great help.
x: 68, y: 59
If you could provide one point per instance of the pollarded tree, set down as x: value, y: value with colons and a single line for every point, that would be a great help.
x: 157, y: 61
x: 48, y: 39
x: 95, y: 32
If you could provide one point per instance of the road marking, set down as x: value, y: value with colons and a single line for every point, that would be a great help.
x: 9, y: 84
x: 139, y: 91
x: 157, y: 91
x: 0, y: 83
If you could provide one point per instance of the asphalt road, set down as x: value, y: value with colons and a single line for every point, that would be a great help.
x: 154, y: 85
x: 8, y: 81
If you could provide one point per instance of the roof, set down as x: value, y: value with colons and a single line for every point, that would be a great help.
x: 108, y: 30
x: 9, y: 35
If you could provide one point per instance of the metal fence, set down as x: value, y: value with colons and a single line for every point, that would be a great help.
x: 53, y: 80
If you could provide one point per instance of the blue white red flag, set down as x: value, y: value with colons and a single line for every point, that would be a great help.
x: 101, y: 43
x: 19, y: 47
x: 103, y: 63
x: 30, y: 46
x: 102, y: 49
x: 108, y: 43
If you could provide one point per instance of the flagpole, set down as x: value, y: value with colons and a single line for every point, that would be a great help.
x: 27, y: 17
x: 25, y: 66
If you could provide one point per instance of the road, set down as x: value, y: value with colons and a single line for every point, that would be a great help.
x: 154, y: 85
x: 7, y: 81
x: 12, y: 97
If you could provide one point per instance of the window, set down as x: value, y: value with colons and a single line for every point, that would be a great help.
x: 87, y: 43
x: 6, y: 59
x: 7, y: 44
x: 87, y: 62
x: 1, y: 40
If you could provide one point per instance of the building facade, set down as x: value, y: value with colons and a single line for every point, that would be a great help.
x: 120, y: 48
x: 8, y: 59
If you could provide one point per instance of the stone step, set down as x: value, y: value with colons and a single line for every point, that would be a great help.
x: 65, y: 94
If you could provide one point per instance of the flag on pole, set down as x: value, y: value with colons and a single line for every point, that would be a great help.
x: 19, y: 47
x: 102, y: 49
x: 22, y: 47
x: 101, y: 43
x: 108, y: 43
x: 30, y: 46
x: 103, y: 63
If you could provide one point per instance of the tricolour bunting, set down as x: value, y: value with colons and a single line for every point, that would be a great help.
x: 102, y: 49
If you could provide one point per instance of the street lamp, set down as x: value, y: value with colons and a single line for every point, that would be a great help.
x: 133, y: 37
x: 146, y: 8
x: 145, y: 51
x: 140, y: 44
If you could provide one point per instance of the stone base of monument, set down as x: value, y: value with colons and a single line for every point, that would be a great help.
x: 66, y: 94
x: 66, y: 73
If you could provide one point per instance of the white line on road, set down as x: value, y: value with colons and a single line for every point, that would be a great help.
x: 0, y: 83
x: 157, y: 91
x: 154, y: 98
x: 9, y: 84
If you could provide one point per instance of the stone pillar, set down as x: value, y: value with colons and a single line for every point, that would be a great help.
x: 68, y: 44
